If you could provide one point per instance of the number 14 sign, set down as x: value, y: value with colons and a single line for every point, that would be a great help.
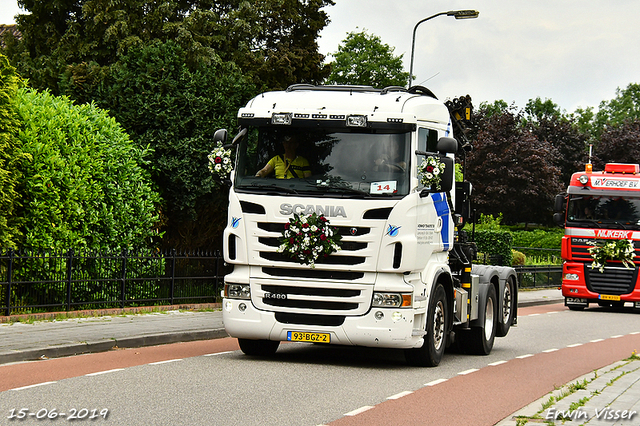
x: 386, y: 187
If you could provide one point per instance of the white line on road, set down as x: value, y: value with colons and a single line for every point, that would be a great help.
x: 435, y: 382
x: 469, y: 371
x: 616, y: 336
x: 596, y: 340
x: 400, y: 395
x: 493, y: 364
x: 524, y: 356
x: 549, y: 350
x: 359, y: 410
x: 104, y: 372
x: 219, y: 353
x: 33, y: 386
x: 575, y: 345
x: 164, y: 362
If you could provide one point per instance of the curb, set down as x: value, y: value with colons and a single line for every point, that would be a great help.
x: 107, y: 345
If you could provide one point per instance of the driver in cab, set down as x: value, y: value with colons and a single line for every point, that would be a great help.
x: 287, y: 166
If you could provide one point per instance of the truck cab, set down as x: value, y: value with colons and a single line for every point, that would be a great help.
x: 399, y: 276
x: 600, y: 211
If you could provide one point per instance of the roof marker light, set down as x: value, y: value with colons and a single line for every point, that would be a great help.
x: 357, y: 121
x: 284, y: 119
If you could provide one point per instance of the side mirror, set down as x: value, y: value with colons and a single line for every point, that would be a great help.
x: 221, y: 136
x: 559, y: 203
x: 447, y: 146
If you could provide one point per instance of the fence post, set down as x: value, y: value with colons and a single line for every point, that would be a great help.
x: 69, y: 272
x: 123, y: 287
x: 173, y: 276
x: 9, y: 277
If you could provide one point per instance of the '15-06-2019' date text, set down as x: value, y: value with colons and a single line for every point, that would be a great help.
x: 72, y: 414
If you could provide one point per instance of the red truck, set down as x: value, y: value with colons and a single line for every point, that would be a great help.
x: 601, y: 216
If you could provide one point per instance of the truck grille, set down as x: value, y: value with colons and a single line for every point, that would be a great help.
x: 311, y: 297
x: 580, y: 249
x: 614, y: 280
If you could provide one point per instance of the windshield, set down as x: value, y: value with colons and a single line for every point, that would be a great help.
x: 604, y: 212
x: 324, y: 162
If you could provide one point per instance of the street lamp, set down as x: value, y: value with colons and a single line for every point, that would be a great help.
x: 458, y: 14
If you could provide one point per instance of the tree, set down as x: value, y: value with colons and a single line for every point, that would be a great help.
x: 625, y: 106
x: 10, y: 156
x: 272, y: 41
x: 619, y: 144
x: 513, y: 172
x: 551, y: 125
x: 363, y: 59
x: 83, y: 186
x: 174, y: 110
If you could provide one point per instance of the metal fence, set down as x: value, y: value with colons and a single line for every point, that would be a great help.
x: 539, y: 276
x: 40, y: 281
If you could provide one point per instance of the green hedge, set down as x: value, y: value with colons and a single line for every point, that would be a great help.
x: 495, y: 243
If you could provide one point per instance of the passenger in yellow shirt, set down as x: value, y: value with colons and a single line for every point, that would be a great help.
x: 289, y: 165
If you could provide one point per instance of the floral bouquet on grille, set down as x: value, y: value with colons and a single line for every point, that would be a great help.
x: 621, y: 250
x: 309, y: 238
x: 430, y: 171
x: 220, y: 163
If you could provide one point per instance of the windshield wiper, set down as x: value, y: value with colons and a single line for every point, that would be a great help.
x: 269, y: 187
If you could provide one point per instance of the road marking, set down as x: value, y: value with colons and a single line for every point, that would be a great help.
x: 575, y: 345
x: 400, y: 395
x: 596, y: 340
x: 219, y: 353
x: 553, y: 312
x: 359, y: 410
x: 435, y: 382
x: 549, y: 350
x: 635, y: 332
x: 164, y: 362
x: 493, y: 364
x: 33, y: 386
x: 104, y: 372
x: 616, y: 336
x: 465, y: 372
x: 524, y: 356
x: 533, y: 315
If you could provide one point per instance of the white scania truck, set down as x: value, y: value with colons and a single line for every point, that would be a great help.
x: 403, y: 276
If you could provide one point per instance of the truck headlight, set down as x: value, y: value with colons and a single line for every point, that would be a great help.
x: 571, y: 277
x: 391, y: 300
x: 237, y: 291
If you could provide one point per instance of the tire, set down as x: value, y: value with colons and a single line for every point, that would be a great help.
x: 431, y: 352
x: 258, y: 347
x: 481, y: 337
x: 508, y: 309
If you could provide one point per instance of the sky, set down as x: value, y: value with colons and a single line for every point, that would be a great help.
x: 576, y: 53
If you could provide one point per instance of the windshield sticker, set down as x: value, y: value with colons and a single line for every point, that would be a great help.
x: 235, y: 221
x: 386, y: 187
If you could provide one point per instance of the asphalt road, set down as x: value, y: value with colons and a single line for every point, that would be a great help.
x: 212, y: 383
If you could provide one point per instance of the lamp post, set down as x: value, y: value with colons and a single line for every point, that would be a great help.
x: 458, y: 14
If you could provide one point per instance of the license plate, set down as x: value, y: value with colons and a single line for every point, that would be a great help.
x: 609, y: 297
x: 301, y: 336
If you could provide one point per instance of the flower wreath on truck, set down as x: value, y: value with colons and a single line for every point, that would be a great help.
x: 430, y: 171
x: 220, y: 163
x: 621, y: 250
x: 308, y: 238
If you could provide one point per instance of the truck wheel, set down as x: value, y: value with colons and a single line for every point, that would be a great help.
x: 258, y: 347
x: 482, y: 337
x: 431, y: 351
x: 508, y: 308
